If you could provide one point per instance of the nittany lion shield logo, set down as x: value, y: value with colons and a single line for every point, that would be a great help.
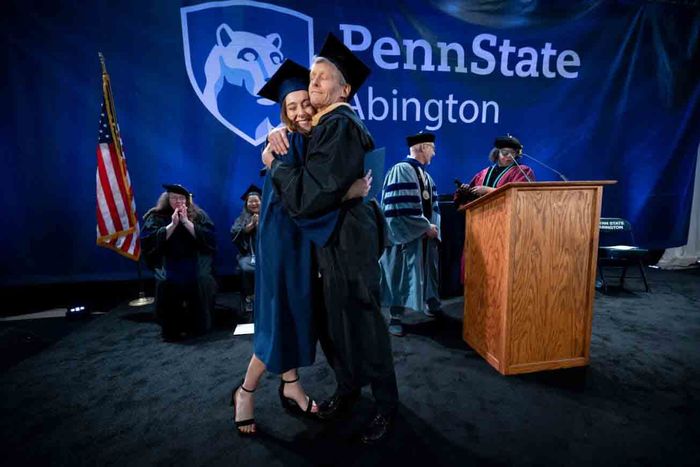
x: 232, y: 48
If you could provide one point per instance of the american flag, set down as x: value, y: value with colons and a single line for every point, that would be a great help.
x: 117, y: 222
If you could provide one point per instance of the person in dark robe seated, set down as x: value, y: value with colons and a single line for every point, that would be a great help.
x: 286, y: 288
x: 506, y: 169
x: 243, y: 235
x: 348, y: 262
x: 178, y: 244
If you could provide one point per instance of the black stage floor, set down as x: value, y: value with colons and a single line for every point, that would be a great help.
x: 107, y: 391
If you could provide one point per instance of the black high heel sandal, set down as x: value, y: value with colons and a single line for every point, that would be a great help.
x: 291, y: 406
x: 241, y: 423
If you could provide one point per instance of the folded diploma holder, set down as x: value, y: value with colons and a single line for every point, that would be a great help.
x: 374, y: 160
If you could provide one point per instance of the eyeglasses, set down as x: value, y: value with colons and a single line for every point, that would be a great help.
x: 507, y: 152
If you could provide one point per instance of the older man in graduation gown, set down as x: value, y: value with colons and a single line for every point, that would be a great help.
x: 348, y: 262
x: 410, y: 264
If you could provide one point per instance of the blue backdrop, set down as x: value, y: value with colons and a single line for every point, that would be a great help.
x: 597, y: 89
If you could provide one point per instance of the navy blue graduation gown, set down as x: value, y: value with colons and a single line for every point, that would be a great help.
x: 285, y: 336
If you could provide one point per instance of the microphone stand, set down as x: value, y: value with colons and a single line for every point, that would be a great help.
x: 520, y: 168
x: 561, y: 175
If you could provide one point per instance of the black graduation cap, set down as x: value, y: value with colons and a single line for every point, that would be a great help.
x: 420, y: 137
x: 177, y: 188
x: 288, y: 78
x: 508, y: 141
x: 353, y: 69
x: 251, y: 189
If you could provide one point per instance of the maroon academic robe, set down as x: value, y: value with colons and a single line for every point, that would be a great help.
x: 510, y: 176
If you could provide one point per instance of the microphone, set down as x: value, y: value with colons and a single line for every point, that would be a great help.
x: 520, y: 168
x: 561, y: 175
x: 462, y: 195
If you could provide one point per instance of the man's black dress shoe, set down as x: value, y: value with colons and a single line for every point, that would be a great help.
x: 337, y: 406
x: 378, y: 429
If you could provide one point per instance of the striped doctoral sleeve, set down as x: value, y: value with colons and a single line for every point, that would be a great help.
x: 401, y: 193
x: 401, y: 202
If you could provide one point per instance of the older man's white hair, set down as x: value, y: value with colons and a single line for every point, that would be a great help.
x: 341, y: 79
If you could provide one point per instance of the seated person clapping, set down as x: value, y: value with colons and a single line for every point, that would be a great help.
x: 244, y: 236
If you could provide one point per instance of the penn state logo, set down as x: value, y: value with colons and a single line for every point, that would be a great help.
x: 232, y: 48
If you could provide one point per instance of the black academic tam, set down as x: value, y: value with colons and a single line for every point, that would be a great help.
x: 176, y: 188
x: 250, y: 190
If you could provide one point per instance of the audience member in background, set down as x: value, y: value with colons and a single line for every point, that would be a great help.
x: 178, y: 243
x: 244, y: 235
x: 410, y: 263
x: 286, y: 279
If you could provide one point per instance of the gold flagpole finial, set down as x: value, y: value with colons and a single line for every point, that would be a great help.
x: 102, y: 62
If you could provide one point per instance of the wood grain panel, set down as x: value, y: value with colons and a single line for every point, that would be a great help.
x: 550, y: 310
x: 485, y: 292
x: 530, y: 251
x: 592, y: 264
x: 548, y: 365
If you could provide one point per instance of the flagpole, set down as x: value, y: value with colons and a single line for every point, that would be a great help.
x: 114, y: 127
x: 112, y: 112
x: 142, y: 300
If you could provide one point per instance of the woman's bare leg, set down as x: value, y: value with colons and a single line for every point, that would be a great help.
x: 245, y: 403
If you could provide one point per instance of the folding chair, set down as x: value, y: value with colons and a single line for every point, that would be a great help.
x: 619, y: 256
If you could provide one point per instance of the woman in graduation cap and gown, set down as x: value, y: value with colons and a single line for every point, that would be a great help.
x: 178, y: 243
x: 285, y: 336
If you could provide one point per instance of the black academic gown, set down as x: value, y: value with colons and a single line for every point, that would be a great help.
x: 246, y: 243
x: 183, y: 271
x: 358, y: 346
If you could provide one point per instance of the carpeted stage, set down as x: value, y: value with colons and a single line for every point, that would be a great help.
x: 107, y: 391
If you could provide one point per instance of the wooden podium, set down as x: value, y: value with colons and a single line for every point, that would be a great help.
x: 530, y: 262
